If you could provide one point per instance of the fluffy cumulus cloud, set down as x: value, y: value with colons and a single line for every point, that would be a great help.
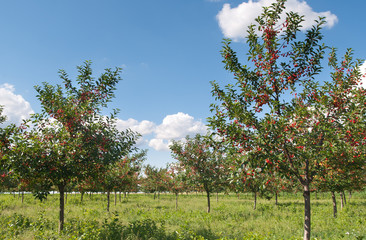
x: 144, y: 127
x: 16, y: 108
x: 234, y: 21
x: 159, y: 136
x: 175, y: 127
x: 159, y: 144
x: 178, y: 125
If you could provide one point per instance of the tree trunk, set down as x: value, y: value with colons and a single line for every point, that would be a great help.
x: 208, y: 201
x: 81, y: 196
x: 22, y: 197
x: 154, y: 195
x: 176, y: 201
x: 255, y: 201
x: 342, y: 203
x: 350, y: 195
x: 115, y: 198
x: 344, y: 197
x: 65, y: 197
x: 334, y: 205
x: 307, y: 212
x: 108, y: 200
x: 276, y: 198
x: 61, y: 189
x: 217, y: 196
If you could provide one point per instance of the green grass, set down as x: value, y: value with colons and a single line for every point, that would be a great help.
x: 142, y: 217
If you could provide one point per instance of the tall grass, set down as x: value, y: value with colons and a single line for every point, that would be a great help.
x: 141, y: 217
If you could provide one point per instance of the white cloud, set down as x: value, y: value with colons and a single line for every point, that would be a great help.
x: 144, y: 127
x: 234, y: 21
x: 16, y: 108
x: 159, y: 144
x: 363, y: 72
x: 173, y: 127
x: 179, y: 125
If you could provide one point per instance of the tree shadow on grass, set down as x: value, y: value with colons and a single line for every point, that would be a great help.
x: 206, y: 234
x: 289, y: 204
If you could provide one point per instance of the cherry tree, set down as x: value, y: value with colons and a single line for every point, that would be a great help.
x: 4, y: 148
x: 155, y: 180
x: 176, y: 180
x: 202, y: 160
x: 277, y: 111
x: 70, y: 140
x: 129, y: 171
x: 122, y: 175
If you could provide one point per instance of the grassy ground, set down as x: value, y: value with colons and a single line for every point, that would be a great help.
x: 142, y: 217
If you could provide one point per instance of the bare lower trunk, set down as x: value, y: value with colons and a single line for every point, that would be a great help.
x: 342, y: 203
x: 255, y: 201
x: 61, y: 189
x: 307, y: 212
x: 350, y: 195
x: 22, y: 197
x: 108, y: 200
x: 65, y: 197
x: 276, y: 197
x: 115, y: 198
x: 217, y: 196
x: 344, y: 197
x: 208, y: 199
x: 334, y: 205
x: 81, y: 196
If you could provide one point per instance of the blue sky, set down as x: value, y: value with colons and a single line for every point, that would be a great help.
x: 169, y: 51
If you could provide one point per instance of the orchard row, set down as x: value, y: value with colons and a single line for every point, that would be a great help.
x: 275, y: 127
